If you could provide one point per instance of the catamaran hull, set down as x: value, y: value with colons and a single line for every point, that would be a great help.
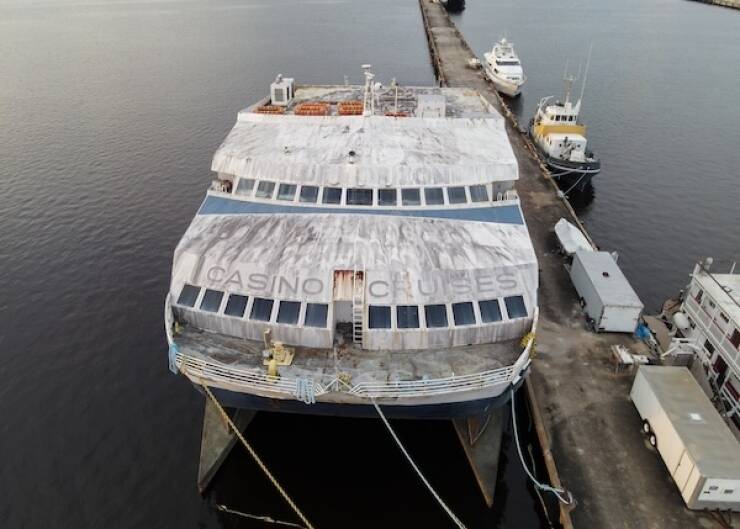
x: 442, y: 410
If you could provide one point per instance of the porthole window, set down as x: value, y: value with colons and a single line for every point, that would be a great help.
x: 244, y: 187
x: 456, y: 195
x: 265, y: 189
x: 316, y: 314
x: 188, y: 295
x: 436, y: 315
x: 236, y: 305
x: 490, y: 311
x: 407, y: 317
x: 288, y: 312
x: 211, y: 300
x: 379, y: 317
x: 515, y: 307
x: 359, y: 197
x: 387, y: 197
x: 463, y: 313
x: 479, y: 193
x: 332, y: 195
x: 261, y: 309
x: 309, y: 194
x: 286, y: 192
x: 410, y: 197
x: 434, y: 196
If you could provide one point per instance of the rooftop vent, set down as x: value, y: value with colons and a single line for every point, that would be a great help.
x: 281, y: 91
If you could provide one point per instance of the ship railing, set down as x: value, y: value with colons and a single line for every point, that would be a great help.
x: 295, y: 386
x: 243, y: 378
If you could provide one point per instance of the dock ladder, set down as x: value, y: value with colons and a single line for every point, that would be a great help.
x: 358, y: 306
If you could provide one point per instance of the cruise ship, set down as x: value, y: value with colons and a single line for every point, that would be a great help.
x: 359, y: 245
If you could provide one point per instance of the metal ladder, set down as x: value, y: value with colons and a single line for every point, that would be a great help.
x: 358, y: 306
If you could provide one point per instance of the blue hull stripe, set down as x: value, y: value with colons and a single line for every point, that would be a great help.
x: 510, y: 214
x: 451, y: 410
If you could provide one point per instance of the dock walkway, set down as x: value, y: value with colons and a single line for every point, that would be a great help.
x: 593, y: 427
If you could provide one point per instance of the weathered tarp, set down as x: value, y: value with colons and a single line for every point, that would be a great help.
x: 388, y: 152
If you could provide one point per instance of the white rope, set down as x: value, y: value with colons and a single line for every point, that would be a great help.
x: 451, y: 514
x: 557, y: 492
x: 261, y: 518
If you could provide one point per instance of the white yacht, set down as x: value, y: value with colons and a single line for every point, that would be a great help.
x: 358, y: 245
x: 504, y: 69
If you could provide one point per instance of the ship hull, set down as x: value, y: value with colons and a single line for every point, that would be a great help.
x: 507, y: 88
x: 443, y: 410
x: 572, y: 175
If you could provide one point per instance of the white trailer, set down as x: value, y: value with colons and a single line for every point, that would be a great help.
x: 607, y: 297
x: 698, y: 448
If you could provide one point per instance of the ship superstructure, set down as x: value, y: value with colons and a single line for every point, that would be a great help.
x: 504, y: 68
x: 359, y: 244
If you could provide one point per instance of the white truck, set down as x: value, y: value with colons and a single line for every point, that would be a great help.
x: 698, y: 448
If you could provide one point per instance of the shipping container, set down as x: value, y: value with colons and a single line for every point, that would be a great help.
x: 607, y: 297
x: 699, y: 450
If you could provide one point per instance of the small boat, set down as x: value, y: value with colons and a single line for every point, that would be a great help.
x: 504, y: 69
x: 561, y: 140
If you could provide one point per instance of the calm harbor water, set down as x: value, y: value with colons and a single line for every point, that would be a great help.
x: 110, y: 113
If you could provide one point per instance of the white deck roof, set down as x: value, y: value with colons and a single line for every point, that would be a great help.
x: 417, y: 260
x: 389, y: 151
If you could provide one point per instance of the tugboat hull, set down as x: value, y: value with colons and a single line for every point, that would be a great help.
x: 572, y: 175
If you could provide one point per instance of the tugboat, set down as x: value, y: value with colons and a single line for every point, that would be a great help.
x: 561, y: 140
x: 504, y: 69
x: 342, y: 259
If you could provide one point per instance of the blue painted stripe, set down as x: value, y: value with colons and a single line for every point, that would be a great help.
x: 510, y: 214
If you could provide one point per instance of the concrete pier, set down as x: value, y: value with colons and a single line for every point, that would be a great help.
x: 587, y: 424
x: 735, y: 4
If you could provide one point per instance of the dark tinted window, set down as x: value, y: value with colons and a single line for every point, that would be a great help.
x: 463, y: 313
x: 332, y: 195
x: 407, y: 316
x: 288, y: 312
x: 387, y: 197
x: 434, y: 196
x: 286, y: 192
x: 309, y: 194
x: 436, y: 315
x: 515, y: 307
x: 245, y: 186
x: 478, y: 193
x: 489, y: 311
x: 188, y: 295
x: 410, y: 197
x: 379, y: 317
x: 236, y: 305
x: 456, y: 195
x: 265, y: 189
x: 316, y: 314
x: 261, y: 309
x: 211, y: 300
x: 360, y: 197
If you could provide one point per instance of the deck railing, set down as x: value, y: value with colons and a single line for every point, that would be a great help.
x: 247, y: 379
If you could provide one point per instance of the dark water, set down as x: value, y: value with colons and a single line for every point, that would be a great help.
x: 109, y: 115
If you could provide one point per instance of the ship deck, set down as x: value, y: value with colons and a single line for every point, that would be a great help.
x: 357, y: 366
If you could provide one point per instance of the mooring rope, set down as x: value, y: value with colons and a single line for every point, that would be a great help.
x: 254, y: 455
x: 424, y: 480
x: 261, y: 518
x: 559, y: 493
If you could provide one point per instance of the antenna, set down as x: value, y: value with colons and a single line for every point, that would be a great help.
x: 585, y: 75
x: 368, y: 109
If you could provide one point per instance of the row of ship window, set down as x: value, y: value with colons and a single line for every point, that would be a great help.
x: 411, y: 196
x: 379, y: 316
